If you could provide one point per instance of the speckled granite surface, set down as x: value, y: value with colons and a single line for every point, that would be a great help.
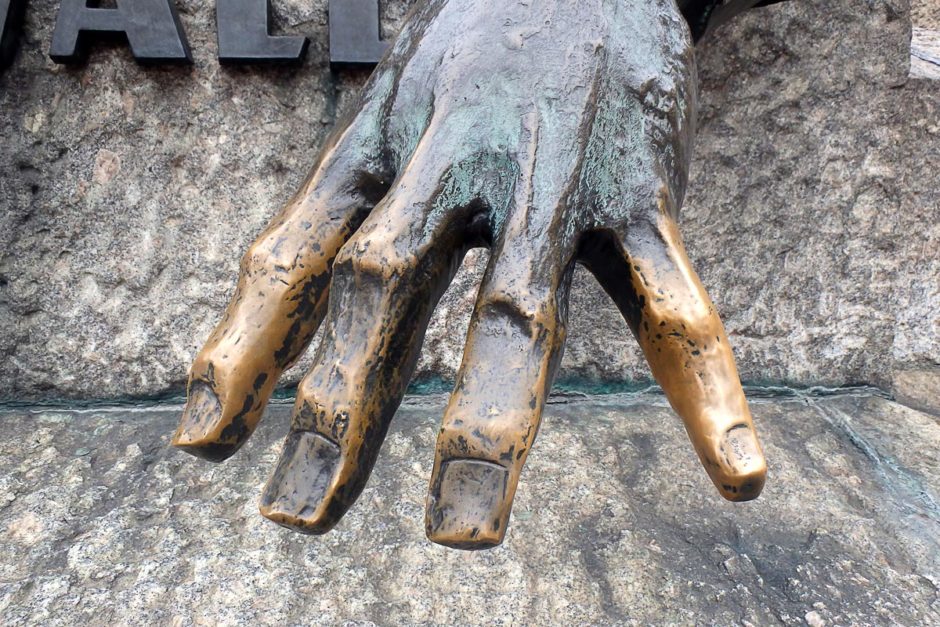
x: 614, y: 523
x: 128, y: 194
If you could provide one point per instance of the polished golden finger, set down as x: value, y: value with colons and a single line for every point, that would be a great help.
x: 651, y: 279
x: 514, y: 344
x: 387, y: 280
x: 281, y: 295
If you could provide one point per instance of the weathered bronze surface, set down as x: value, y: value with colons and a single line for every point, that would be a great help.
x: 553, y: 133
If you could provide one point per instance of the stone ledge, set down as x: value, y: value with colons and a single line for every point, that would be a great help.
x: 614, y: 523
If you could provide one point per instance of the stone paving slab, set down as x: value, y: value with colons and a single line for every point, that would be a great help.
x: 614, y: 523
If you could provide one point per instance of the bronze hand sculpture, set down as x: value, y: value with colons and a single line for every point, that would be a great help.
x: 553, y: 132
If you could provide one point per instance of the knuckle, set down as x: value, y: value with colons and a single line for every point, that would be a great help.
x: 457, y: 442
x: 655, y: 208
x: 332, y: 420
x: 272, y: 253
x: 498, y: 441
x: 691, y: 311
x: 371, y: 256
x: 695, y: 313
x: 532, y: 309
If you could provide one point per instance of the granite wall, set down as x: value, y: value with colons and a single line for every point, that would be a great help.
x: 127, y: 195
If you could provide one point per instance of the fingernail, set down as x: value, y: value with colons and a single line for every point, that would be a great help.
x: 295, y: 493
x: 740, y: 448
x: 468, y: 507
x: 195, y: 434
x: 746, y: 468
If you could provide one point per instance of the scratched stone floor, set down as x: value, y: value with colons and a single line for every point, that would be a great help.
x: 614, y: 523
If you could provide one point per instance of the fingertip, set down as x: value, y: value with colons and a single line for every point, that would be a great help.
x: 735, y: 462
x: 740, y: 468
x: 300, y: 494
x: 745, y: 487
x: 743, y: 471
x: 200, y: 432
x: 466, y: 540
x: 740, y: 449
x: 310, y: 524
x: 468, y: 505
x: 200, y: 415
x: 210, y: 451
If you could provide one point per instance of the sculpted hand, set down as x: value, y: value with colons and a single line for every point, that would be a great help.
x: 552, y: 132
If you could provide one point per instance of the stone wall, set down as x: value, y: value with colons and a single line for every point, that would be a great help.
x: 127, y: 195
